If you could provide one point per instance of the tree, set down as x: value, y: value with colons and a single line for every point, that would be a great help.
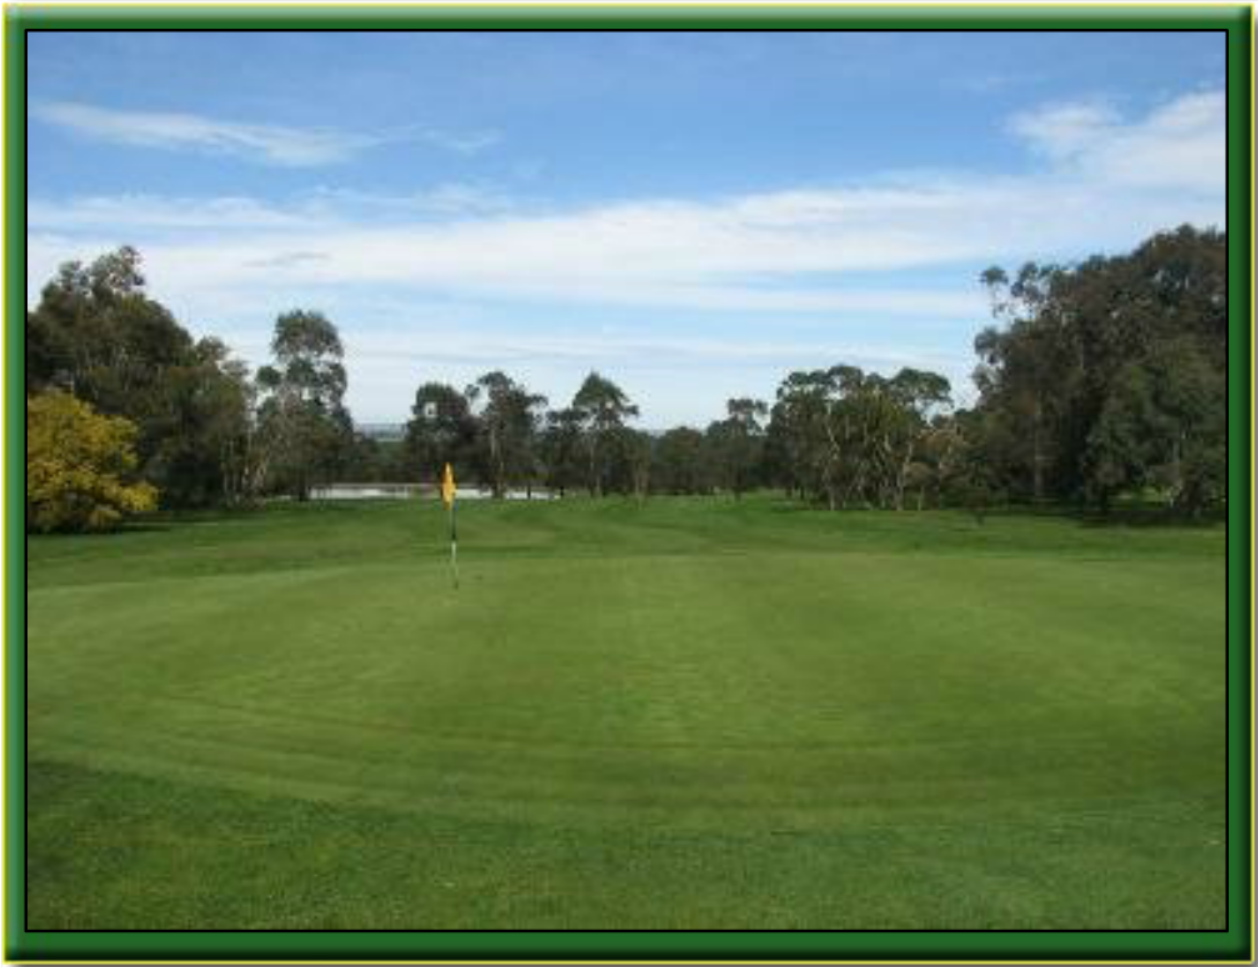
x: 560, y: 450
x: 681, y: 463
x: 305, y: 424
x: 845, y: 436
x: 630, y: 470
x: 915, y: 395
x: 94, y: 330
x: 1161, y: 427
x: 508, y: 424
x: 441, y: 430
x: 941, y: 460
x: 736, y: 445
x: 237, y: 432
x: 80, y: 467
x: 1110, y: 375
x: 1018, y: 368
x: 99, y: 336
x: 806, y: 442
x: 201, y: 428
x: 603, y: 408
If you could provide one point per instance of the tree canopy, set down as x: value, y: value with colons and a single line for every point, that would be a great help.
x: 1111, y: 375
x: 302, y: 415
x: 1096, y: 381
x: 80, y: 466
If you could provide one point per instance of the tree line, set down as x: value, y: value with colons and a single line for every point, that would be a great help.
x: 1096, y: 381
x: 190, y: 422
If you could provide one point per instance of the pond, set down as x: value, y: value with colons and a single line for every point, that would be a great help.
x: 378, y: 491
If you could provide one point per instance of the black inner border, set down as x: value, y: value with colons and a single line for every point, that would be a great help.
x: 26, y: 32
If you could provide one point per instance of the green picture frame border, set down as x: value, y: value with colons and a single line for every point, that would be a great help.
x: 1235, y: 944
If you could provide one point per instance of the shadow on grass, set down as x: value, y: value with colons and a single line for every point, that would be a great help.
x: 131, y: 527
x: 1126, y: 515
x: 1152, y: 517
x: 270, y: 508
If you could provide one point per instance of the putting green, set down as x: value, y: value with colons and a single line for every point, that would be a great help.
x: 689, y: 713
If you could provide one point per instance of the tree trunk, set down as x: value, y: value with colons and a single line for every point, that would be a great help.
x: 1037, y: 456
x: 1177, y: 469
x: 858, y: 483
x: 595, y: 483
x: 498, y: 470
x: 902, y: 478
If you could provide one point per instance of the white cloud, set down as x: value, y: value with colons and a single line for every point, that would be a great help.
x: 1110, y: 184
x: 1064, y: 131
x: 786, y: 250
x: 487, y: 347
x: 446, y: 200
x: 849, y: 254
x: 325, y: 208
x: 1181, y: 144
x: 265, y: 143
x: 674, y: 378
x: 272, y: 144
x: 148, y: 213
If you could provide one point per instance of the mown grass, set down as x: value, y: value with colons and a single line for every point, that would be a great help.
x: 691, y: 713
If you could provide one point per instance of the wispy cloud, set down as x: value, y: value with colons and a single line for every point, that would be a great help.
x: 326, y: 208
x: 285, y: 260
x: 1108, y: 183
x: 660, y: 371
x: 264, y: 143
x: 657, y: 352
x: 445, y: 200
x: 849, y: 254
x: 461, y: 142
x: 272, y: 144
x: 1180, y: 144
x: 156, y: 213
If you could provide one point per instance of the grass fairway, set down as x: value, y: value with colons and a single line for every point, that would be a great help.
x: 689, y: 714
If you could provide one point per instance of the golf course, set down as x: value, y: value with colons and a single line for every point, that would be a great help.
x: 673, y: 713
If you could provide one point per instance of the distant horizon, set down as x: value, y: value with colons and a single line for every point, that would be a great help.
x: 694, y: 215
x: 360, y: 425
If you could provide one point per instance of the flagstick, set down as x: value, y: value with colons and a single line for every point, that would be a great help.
x: 454, y: 547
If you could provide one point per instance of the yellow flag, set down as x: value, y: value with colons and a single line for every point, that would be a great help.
x: 447, y: 487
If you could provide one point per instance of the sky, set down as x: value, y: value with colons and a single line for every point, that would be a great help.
x: 693, y: 215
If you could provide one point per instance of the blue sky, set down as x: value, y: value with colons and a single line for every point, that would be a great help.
x: 694, y: 215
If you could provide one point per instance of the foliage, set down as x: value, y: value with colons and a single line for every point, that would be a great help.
x: 441, y: 430
x: 97, y: 335
x: 1096, y: 381
x: 632, y: 454
x: 847, y: 437
x: 79, y: 467
x: 303, y: 421
x: 507, y: 450
x: 371, y: 460
x: 498, y: 431
x: 735, y: 445
x: 602, y: 409
x: 1110, y: 376
x: 561, y: 451
x: 681, y: 463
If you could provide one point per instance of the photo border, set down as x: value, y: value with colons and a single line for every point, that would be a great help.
x: 1234, y: 944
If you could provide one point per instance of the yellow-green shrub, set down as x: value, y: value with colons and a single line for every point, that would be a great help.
x: 77, y: 467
